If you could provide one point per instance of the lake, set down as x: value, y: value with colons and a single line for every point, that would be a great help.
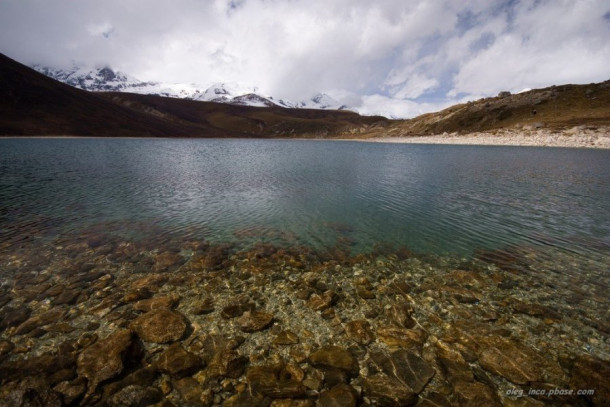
x: 198, y: 269
x: 430, y: 199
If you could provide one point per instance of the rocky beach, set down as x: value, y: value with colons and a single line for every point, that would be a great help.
x: 95, y: 319
x: 529, y: 135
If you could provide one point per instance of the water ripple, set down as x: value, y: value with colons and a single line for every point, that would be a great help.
x: 440, y: 199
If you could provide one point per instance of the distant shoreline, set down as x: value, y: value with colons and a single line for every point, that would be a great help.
x: 577, y: 137
x: 597, y: 142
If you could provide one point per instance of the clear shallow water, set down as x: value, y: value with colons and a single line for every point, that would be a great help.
x: 431, y: 199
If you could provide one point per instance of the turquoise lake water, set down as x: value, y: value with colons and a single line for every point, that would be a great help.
x: 432, y: 199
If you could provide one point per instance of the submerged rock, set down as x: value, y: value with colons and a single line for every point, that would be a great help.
x: 177, y: 361
x: 40, y: 320
x: 286, y: 338
x: 475, y: 394
x: 165, y: 261
x: 71, y: 391
x: 30, y: 392
x: 14, y: 316
x: 360, y: 331
x: 434, y: 399
x: 216, y: 257
x: 341, y: 395
x: 66, y: 297
x: 535, y: 310
x: 591, y: 373
x: 291, y: 403
x: 506, y: 359
x: 334, y: 357
x: 44, y: 365
x: 400, y: 315
x: 365, y: 293
x: 247, y: 399
x: 269, y: 381
x: 5, y: 348
x: 135, y: 396
x: 402, y: 337
x: 203, y: 307
x: 168, y: 301
x: 453, y: 363
x: 190, y: 390
x: 106, y: 358
x: 323, y: 301
x: 227, y: 363
x: 388, y: 391
x: 141, y: 377
x: 151, y: 282
x: 252, y: 321
x: 408, y: 368
x: 236, y: 310
x: 160, y: 326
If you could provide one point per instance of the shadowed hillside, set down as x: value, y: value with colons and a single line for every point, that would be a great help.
x: 32, y: 104
x: 247, y: 121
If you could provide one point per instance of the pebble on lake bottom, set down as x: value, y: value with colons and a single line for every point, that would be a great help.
x: 122, y: 323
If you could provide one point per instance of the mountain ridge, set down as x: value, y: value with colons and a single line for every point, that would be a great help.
x: 555, y: 107
x: 32, y: 104
x: 105, y: 79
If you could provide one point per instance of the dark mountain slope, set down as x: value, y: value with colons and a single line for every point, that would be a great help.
x: 251, y: 121
x: 33, y: 104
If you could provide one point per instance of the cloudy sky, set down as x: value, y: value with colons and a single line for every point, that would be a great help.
x: 396, y: 57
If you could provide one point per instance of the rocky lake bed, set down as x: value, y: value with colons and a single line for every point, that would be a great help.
x: 100, y: 320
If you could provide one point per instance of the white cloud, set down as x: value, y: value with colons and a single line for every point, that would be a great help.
x: 553, y: 43
x: 399, y: 54
x: 397, y: 108
x: 414, y: 87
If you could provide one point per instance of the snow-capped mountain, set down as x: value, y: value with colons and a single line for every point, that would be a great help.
x: 318, y: 101
x: 235, y: 94
x: 105, y: 79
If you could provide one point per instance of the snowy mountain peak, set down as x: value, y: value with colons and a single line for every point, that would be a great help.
x: 107, y: 74
x: 326, y: 102
x: 317, y: 101
x: 105, y: 79
x: 226, y: 92
x: 94, y: 79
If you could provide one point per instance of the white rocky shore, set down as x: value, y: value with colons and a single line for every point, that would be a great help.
x: 581, y: 136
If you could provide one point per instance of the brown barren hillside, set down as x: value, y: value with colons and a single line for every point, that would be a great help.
x: 247, y: 121
x: 32, y: 104
x: 556, y: 107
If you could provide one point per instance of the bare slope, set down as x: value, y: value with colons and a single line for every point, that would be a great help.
x: 247, y: 121
x: 33, y: 104
x: 555, y: 107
